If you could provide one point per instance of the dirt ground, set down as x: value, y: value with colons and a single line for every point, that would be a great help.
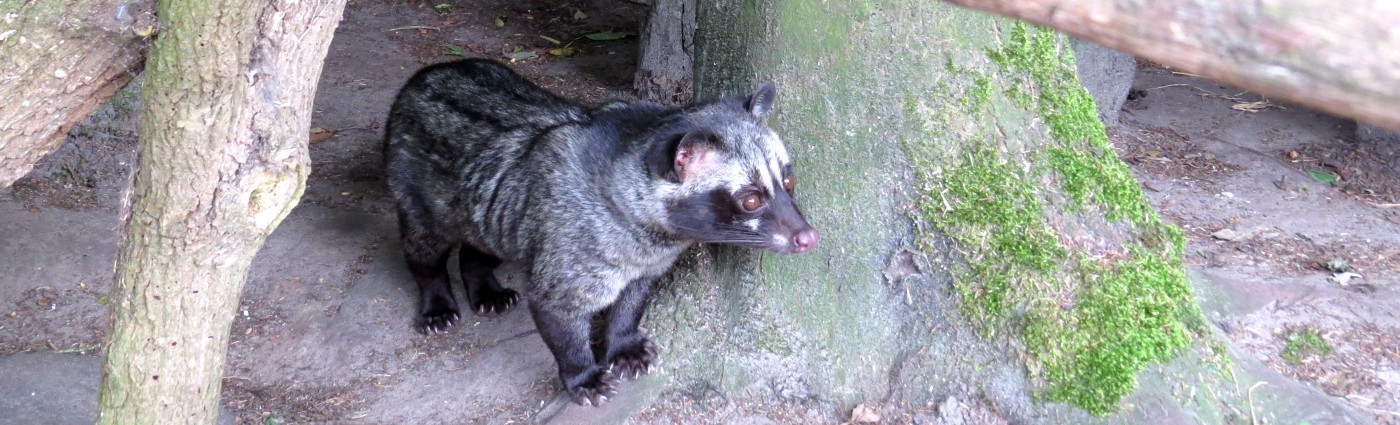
x: 1277, y: 201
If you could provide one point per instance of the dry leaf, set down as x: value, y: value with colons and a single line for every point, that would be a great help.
x: 864, y: 415
x: 1344, y: 278
x: 1252, y: 106
x: 607, y: 36
x: 319, y: 134
x: 1231, y: 235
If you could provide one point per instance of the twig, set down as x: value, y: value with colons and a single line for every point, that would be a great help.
x: 1387, y: 205
x: 414, y: 27
x: 1252, y: 419
x: 1235, y: 98
x: 1171, y: 85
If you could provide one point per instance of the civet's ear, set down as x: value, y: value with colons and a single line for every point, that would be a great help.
x: 683, y: 156
x: 761, y: 101
x: 695, y: 154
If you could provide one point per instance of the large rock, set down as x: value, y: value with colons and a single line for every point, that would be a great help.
x: 1107, y: 74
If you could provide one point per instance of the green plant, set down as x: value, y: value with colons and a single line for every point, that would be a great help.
x: 1303, y: 343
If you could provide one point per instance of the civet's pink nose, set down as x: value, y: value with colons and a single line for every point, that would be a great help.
x: 805, y: 240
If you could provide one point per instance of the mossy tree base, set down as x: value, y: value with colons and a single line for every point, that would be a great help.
x: 1060, y: 247
x: 969, y: 202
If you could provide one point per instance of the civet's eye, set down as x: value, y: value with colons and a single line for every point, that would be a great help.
x: 789, y: 183
x: 751, y: 202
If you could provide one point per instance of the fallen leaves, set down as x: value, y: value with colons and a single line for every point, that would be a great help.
x: 1254, y: 106
x: 607, y: 36
x: 1344, y: 278
x: 1325, y: 177
x: 864, y: 414
x: 520, y: 54
x: 319, y: 134
x: 1232, y: 235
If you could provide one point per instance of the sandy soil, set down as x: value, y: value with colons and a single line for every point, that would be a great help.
x: 323, y: 333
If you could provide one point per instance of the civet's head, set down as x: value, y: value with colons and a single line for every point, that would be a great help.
x: 731, y: 179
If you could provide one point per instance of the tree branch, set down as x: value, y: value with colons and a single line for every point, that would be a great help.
x: 62, y: 60
x: 1344, y: 60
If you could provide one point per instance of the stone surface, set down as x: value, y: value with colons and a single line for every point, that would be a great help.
x: 1107, y: 74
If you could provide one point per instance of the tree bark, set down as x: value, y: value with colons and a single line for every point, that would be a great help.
x: 981, y: 237
x: 223, y: 159
x: 1344, y: 60
x: 664, y: 56
x: 61, y: 61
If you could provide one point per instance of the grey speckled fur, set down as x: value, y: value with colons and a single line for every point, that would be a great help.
x: 595, y: 204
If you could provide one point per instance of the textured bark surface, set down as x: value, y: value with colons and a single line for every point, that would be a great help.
x: 59, y: 61
x: 664, y: 58
x: 849, y: 322
x: 227, y: 106
x: 981, y: 239
x: 1342, y: 60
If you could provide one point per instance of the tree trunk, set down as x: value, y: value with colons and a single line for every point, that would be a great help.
x: 981, y: 238
x: 223, y: 159
x: 61, y: 61
x: 1344, y: 60
x: 976, y: 131
x: 667, y: 41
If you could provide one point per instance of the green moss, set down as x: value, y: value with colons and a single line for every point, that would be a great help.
x: 980, y: 93
x: 770, y: 338
x: 997, y: 210
x: 1089, y: 319
x: 1127, y: 315
x: 1094, y: 174
x: 1302, y: 343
